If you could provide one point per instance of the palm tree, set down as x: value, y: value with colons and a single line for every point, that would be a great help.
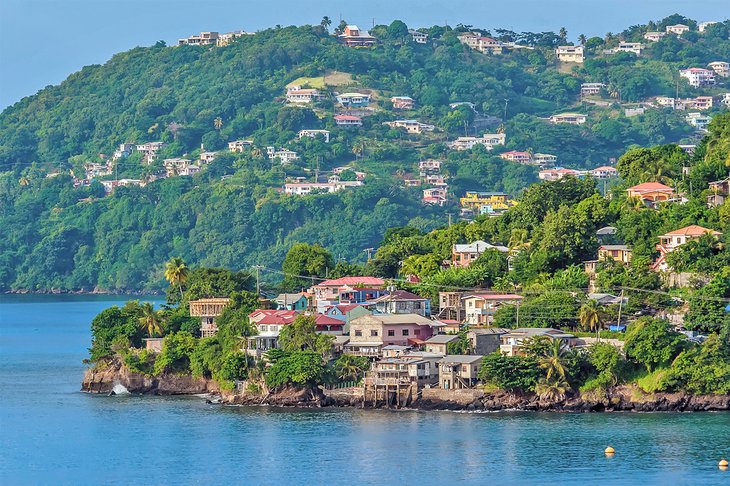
x: 348, y: 367
x: 517, y: 239
x: 563, y: 34
x: 326, y: 22
x: 552, y: 360
x: 582, y: 39
x: 218, y: 123
x: 176, y: 272
x: 590, y: 316
x: 552, y: 390
x: 150, y: 321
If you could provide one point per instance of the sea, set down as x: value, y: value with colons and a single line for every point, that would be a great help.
x: 51, y: 433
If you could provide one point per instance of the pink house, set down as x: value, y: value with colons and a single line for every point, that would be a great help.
x: 368, y: 334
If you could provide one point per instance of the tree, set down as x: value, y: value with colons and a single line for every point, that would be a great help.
x: 111, y: 324
x: 325, y: 23
x: 176, y: 272
x: 218, y: 123
x: 652, y: 343
x: 590, y: 316
x: 563, y: 34
x: 304, y: 261
x: 552, y: 361
x: 582, y: 39
x: 300, y: 368
x: 553, y: 390
x: 177, y: 350
x: 512, y: 373
x: 351, y: 367
x: 150, y: 321
x: 301, y: 335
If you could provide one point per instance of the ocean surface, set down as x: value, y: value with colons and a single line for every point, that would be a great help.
x: 50, y: 433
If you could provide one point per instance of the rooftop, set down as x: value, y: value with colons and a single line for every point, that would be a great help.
x: 692, y: 230
x: 461, y: 358
x: 442, y: 339
x: 352, y: 281
x: 650, y: 186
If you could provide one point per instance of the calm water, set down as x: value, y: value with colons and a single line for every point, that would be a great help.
x: 52, y: 434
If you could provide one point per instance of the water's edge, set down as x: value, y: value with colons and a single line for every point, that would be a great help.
x: 621, y: 398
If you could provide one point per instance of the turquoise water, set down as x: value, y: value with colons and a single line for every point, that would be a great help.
x: 50, y: 433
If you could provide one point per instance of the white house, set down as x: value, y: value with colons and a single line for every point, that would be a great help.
x: 411, y: 126
x: 588, y: 89
x: 677, y: 29
x: 703, y: 25
x: 570, y: 54
x: 698, y: 77
x: 304, y: 188
x: 418, y: 37
x: 314, y: 134
x: 721, y: 68
x: 239, y: 145
x: 569, y: 118
x: 489, y: 140
x: 285, y: 155
x: 297, y: 94
x: 654, y: 36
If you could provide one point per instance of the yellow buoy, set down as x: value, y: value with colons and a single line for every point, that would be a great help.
x: 609, y: 450
x: 723, y: 464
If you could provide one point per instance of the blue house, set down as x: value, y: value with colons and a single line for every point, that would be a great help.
x: 295, y: 302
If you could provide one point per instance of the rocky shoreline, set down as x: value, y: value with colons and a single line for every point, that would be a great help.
x: 621, y: 398
x: 95, y: 291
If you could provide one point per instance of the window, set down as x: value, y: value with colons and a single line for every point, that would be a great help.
x: 373, y: 332
x: 405, y: 332
x: 358, y: 332
x: 464, y: 368
x: 391, y: 332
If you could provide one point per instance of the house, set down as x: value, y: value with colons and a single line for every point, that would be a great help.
x: 439, y: 343
x: 203, y: 39
x: 297, y: 94
x: 463, y: 255
x: 305, y: 188
x: 124, y: 151
x: 93, y: 170
x: 348, y: 121
x: 721, y: 68
x: 570, y: 54
x: 149, y: 150
x: 411, y: 126
x: 429, y: 167
x: 179, y: 166
x: 719, y: 191
x: 652, y: 192
x: 698, y: 77
x: 436, y: 180
x: 368, y: 334
x: 352, y: 36
x: 109, y: 186
x: 419, y: 370
x: 726, y: 99
x: 459, y: 371
x: 633, y: 47
x: 325, y: 134
x: 569, y: 118
x: 604, y: 172
x: 207, y: 157
x: 618, y: 253
x: 208, y: 310
x: 480, y: 308
x: 295, y: 302
x: 434, y: 196
x: 451, y: 307
x: 268, y: 324
x: 418, y: 37
x: 412, y: 183
x: 239, y: 145
x: 347, y: 312
x: 698, y: 120
x: 544, y: 159
x: 403, y: 103
x: 353, y: 100
x: 402, y: 302
x: 677, y: 29
x: 511, y: 342
x: 515, y: 156
x: 591, y: 89
x: 699, y: 103
x: 483, y: 44
x: 556, y: 174
x: 346, y: 290
x: 489, y: 140
x: 669, y: 242
x: 654, y: 36
x: 284, y: 155
x: 228, y: 37
x: 485, y: 340
x: 325, y: 324
x: 703, y: 25
x: 607, y: 299
x: 486, y: 202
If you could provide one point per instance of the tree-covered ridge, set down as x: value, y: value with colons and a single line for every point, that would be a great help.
x: 233, y: 215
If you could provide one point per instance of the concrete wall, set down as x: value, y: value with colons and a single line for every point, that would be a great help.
x: 463, y: 397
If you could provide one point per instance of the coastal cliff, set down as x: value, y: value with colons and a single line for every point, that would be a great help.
x: 103, y: 379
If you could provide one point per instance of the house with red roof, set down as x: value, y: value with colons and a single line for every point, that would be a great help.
x: 346, y: 290
x: 368, y: 334
x: 480, y: 307
x: 348, y: 121
x: 651, y: 192
x: 352, y: 36
x: 669, y: 242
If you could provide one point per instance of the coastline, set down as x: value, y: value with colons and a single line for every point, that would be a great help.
x: 622, y: 398
x: 81, y: 292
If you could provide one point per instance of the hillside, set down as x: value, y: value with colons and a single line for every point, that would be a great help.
x: 64, y: 234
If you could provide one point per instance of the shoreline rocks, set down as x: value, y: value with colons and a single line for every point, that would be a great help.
x: 624, y: 398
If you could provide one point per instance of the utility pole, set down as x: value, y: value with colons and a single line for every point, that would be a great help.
x: 518, y: 316
x: 620, y: 305
x: 506, y: 100
x: 449, y: 220
x: 258, y: 285
x: 369, y: 251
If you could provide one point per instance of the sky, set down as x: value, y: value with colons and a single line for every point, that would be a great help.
x: 46, y: 40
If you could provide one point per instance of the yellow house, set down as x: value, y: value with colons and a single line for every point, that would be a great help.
x: 498, y: 201
x: 619, y: 253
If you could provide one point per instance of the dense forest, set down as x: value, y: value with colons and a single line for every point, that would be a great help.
x: 233, y: 214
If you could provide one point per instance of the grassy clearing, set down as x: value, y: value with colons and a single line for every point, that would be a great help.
x: 333, y: 78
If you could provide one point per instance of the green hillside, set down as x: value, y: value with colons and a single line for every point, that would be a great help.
x: 233, y: 213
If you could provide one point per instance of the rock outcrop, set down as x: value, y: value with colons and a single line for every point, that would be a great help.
x: 103, y: 378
